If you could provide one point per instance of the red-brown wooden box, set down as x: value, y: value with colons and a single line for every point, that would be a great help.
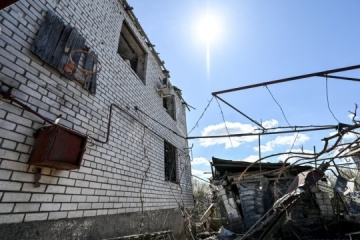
x: 58, y: 147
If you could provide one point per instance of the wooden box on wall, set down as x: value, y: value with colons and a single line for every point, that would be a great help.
x: 58, y: 147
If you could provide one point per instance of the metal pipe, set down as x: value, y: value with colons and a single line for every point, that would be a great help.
x: 7, y: 95
x: 265, y: 133
x: 316, y: 74
x: 252, y: 120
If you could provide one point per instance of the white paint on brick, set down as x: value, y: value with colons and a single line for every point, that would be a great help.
x: 109, y: 172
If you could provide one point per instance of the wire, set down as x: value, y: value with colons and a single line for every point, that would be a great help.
x: 227, y: 130
x: 297, y: 135
x: 196, y: 124
x: 278, y: 105
x: 327, y: 100
x: 171, y: 130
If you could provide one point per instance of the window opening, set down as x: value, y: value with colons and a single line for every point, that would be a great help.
x: 170, y: 162
x: 169, y: 105
x: 131, y: 51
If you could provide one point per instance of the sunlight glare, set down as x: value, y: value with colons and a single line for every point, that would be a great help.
x: 208, y: 28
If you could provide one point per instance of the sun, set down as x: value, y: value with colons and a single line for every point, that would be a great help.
x: 208, y: 28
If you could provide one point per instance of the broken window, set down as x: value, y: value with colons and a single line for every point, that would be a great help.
x: 170, y: 162
x: 56, y: 41
x: 169, y: 105
x: 131, y: 51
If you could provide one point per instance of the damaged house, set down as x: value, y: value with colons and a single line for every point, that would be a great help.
x: 92, y: 131
x: 309, y: 195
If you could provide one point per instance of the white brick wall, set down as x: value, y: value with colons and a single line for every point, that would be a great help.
x: 109, y: 179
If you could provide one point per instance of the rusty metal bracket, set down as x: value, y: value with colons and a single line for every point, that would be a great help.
x: 37, y: 177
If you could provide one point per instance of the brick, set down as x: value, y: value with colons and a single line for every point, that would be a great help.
x: 80, y: 183
x: 23, y: 177
x: 73, y: 190
x: 50, y: 206
x: 57, y: 215
x: 55, y: 189
x: 84, y: 206
x: 75, y: 214
x: 30, y: 217
x: 6, y: 207
x: 62, y: 198
x: 30, y: 187
x: 92, y: 198
x: 12, y: 135
x: 7, y: 125
x: 11, y: 218
x: 16, y: 197
x: 9, y: 154
x: 11, y: 165
x: 5, y: 174
x: 48, y: 179
x: 95, y: 185
x: 89, y: 213
x: 19, y: 120
x: 68, y: 206
x: 9, y: 186
x: 23, y: 148
x: 27, y: 207
x: 77, y: 175
x: 66, y: 181
x: 78, y: 198
x: 88, y: 191
x: 41, y: 197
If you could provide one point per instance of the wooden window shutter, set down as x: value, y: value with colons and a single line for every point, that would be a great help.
x: 55, y: 41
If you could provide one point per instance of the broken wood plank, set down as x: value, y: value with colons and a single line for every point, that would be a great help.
x: 48, y: 36
x: 59, y: 50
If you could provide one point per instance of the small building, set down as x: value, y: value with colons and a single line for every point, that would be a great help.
x: 93, y: 135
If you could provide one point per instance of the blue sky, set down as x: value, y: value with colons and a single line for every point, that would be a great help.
x: 256, y: 41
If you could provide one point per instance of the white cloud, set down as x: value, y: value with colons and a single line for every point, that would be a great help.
x: 251, y: 158
x: 295, y: 139
x: 200, y: 174
x: 347, y: 136
x: 351, y: 117
x: 231, y: 128
x: 200, y: 160
x: 292, y: 160
x: 270, y: 123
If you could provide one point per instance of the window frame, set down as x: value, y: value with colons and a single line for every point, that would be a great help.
x: 129, y: 42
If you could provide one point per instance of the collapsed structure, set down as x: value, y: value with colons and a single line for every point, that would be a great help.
x: 284, y: 201
x: 293, y: 199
